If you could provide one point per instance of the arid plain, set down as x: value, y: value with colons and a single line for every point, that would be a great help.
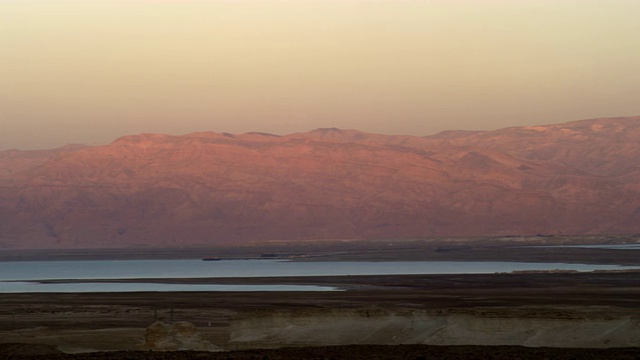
x: 595, y: 311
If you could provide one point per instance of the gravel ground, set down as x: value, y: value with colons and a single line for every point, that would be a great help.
x: 356, y: 352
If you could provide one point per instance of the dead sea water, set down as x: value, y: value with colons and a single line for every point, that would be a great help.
x: 24, y: 276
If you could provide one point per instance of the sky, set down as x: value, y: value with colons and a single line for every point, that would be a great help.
x: 89, y: 71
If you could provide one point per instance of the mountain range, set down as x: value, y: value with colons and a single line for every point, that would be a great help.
x: 206, y: 188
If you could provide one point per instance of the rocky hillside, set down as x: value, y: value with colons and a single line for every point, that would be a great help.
x: 559, y: 328
x: 581, y: 177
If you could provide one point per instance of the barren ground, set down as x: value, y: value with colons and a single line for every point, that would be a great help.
x: 78, y: 323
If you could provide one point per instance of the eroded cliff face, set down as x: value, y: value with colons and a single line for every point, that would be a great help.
x: 539, y: 327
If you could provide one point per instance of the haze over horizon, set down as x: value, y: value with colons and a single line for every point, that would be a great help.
x: 92, y: 71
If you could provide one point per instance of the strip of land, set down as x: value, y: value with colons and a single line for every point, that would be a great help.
x: 597, y: 311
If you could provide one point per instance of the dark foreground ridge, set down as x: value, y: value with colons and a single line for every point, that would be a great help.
x: 355, y: 352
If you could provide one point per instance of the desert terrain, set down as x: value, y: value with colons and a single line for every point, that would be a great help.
x: 526, y: 315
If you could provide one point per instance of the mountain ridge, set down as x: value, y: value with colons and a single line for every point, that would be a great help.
x: 206, y: 188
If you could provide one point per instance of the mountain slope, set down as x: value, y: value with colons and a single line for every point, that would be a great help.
x: 207, y: 188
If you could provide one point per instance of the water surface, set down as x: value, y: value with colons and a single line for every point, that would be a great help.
x: 33, y: 287
x: 20, y: 276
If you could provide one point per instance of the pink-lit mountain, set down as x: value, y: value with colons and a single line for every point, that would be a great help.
x: 581, y: 177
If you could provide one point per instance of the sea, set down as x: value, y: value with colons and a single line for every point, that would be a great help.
x: 25, y: 276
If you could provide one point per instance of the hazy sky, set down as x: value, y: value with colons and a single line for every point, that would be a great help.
x: 89, y: 71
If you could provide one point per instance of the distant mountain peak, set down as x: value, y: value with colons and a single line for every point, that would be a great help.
x: 453, y: 134
x: 335, y: 134
x: 211, y: 188
x: 257, y: 133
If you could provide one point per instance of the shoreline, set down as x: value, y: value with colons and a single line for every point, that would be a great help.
x: 596, y: 309
x: 533, y: 309
x: 541, y: 249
